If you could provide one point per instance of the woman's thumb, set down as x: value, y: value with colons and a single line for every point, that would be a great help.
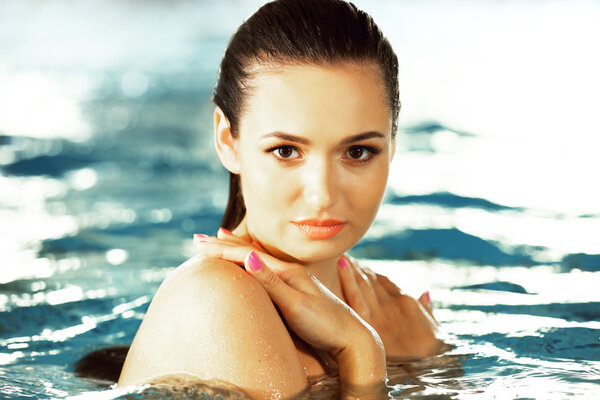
x: 278, y: 290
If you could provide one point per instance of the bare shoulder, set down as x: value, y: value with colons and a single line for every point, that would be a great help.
x: 213, y: 320
x: 199, y: 278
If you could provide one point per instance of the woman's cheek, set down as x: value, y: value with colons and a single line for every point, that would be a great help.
x: 369, y: 193
x: 266, y: 192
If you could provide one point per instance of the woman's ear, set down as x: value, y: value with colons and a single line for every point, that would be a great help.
x: 225, y: 144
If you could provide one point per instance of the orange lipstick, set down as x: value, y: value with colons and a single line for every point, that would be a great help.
x: 319, y: 229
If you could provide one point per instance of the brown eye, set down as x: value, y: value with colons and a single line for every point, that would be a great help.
x: 356, y: 153
x: 285, y: 152
x: 361, y: 153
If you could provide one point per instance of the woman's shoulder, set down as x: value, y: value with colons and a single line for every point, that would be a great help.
x: 211, y: 319
x: 200, y: 266
x: 204, y: 279
x: 201, y: 270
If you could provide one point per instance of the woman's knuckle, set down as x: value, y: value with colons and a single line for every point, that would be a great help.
x: 270, y: 280
x: 369, y: 272
x: 361, y: 280
x: 409, y: 303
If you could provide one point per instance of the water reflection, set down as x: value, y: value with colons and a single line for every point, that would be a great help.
x: 107, y: 169
x: 37, y: 104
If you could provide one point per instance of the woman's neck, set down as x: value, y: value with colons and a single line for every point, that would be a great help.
x: 326, y: 272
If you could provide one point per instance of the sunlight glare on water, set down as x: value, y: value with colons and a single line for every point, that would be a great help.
x: 528, y: 90
x: 54, y: 103
x: 107, y: 169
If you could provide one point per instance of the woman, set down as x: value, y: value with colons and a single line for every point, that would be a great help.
x: 305, y: 119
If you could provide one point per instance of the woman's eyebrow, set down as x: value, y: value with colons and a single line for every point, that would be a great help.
x: 287, y: 136
x: 362, y: 136
x: 305, y: 141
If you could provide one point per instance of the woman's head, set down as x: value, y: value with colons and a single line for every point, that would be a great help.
x: 300, y: 47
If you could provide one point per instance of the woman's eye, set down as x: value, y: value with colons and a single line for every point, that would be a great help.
x: 286, y: 152
x: 358, y: 153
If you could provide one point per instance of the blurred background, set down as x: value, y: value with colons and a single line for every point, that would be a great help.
x: 107, y: 169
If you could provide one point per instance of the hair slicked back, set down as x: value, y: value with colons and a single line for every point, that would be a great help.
x: 296, y: 32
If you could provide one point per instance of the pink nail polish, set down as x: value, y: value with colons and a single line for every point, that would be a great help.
x: 226, y: 231
x: 254, y: 261
x: 427, y: 297
x: 343, y: 263
x: 199, y: 235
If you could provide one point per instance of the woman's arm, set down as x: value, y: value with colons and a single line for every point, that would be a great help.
x: 362, y: 368
x: 313, y: 313
x: 406, y: 326
x: 212, y: 320
x: 321, y: 319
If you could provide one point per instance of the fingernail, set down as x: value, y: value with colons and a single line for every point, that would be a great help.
x: 254, y: 261
x: 199, y: 235
x: 342, y: 263
x: 427, y: 297
x: 226, y: 231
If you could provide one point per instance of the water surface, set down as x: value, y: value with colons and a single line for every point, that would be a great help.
x: 107, y: 169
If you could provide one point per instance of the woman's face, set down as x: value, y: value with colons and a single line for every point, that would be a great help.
x: 314, y: 149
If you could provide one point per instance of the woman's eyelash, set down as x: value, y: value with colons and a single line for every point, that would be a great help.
x: 274, y: 149
x: 372, y: 151
x: 290, y: 149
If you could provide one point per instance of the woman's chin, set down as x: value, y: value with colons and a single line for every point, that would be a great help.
x: 315, y: 252
x: 295, y: 247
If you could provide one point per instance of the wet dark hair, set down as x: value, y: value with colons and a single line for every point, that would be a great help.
x: 298, y: 32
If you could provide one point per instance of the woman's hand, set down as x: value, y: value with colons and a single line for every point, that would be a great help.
x: 406, y: 326
x: 314, y: 313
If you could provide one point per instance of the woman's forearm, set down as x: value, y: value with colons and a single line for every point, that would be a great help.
x: 362, y: 367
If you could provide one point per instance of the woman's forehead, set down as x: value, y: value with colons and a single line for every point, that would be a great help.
x: 314, y: 98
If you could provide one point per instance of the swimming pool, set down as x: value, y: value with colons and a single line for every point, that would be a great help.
x: 107, y: 169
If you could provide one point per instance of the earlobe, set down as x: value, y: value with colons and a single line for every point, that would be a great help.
x: 225, y: 143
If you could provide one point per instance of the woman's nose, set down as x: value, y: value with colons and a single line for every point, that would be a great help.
x: 320, y: 185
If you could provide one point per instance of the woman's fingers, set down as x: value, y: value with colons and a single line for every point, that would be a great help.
x: 383, y: 295
x: 224, y: 235
x: 216, y: 248
x: 292, y: 274
x: 226, y: 246
x: 425, y: 301
x: 350, y: 288
x: 257, y: 244
x: 364, y: 283
x: 388, y: 285
x: 278, y: 290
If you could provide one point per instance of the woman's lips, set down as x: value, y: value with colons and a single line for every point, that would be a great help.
x: 319, y: 229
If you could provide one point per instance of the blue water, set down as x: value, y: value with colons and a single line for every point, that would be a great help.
x: 107, y: 169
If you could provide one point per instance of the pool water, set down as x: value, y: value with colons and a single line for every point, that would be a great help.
x: 107, y: 170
